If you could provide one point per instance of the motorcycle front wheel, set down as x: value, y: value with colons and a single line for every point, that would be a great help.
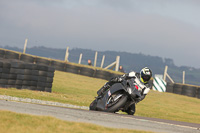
x: 115, y: 102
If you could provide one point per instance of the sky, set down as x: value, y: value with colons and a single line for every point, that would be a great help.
x: 164, y: 28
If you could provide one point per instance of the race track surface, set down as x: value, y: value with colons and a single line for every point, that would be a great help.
x: 102, y: 118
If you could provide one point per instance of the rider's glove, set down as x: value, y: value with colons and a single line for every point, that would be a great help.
x: 106, y: 86
x: 116, y: 80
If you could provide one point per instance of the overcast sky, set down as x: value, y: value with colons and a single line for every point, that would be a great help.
x: 165, y: 28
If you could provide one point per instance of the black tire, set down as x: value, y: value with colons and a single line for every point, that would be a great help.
x: 51, y: 69
x: 26, y: 87
x: 5, y: 76
x: 42, y: 61
x: 87, y: 71
x: 6, y: 64
x: 49, y: 80
x: 169, y: 87
x: 72, y: 69
x: 42, y: 67
x: 42, y: 73
x: 35, y: 72
x: 27, y: 58
x: 33, y: 83
x: 33, y: 87
x: 3, y: 85
x: 18, y: 86
x: 17, y: 64
x: 23, y: 77
x: 41, y: 84
x: 1, y: 64
x: 20, y: 77
x: 16, y: 71
x: 50, y: 74
x: 27, y: 77
x: 42, y: 79
x: 48, y: 85
x: 29, y: 66
x: 2, y: 53
x: 11, y: 82
x: 47, y: 89
x: 27, y: 83
x: 19, y: 82
x: 40, y: 88
x: 11, y: 55
x: 189, y: 91
x: 119, y: 104
x: 198, y: 93
x: 10, y: 86
x: 102, y: 74
x: 3, y: 81
x: 13, y: 76
x: 34, y: 78
x: 27, y: 72
x: 177, y: 88
x: 6, y: 70
x: 58, y: 65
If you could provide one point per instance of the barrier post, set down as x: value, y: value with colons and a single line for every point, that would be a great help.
x: 25, y: 44
x: 67, y: 54
x: 102, y: 62
x: 165, y: 73
x: 183, y: 77
x: 117, y: 63
x: 80, y: 58
x: 95, y: 59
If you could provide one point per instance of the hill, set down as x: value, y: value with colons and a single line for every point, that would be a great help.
x: 130, y: 61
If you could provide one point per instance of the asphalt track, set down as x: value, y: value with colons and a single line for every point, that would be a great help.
x: 102, y: 118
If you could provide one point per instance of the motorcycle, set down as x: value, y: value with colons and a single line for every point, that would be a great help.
x: 120, y: 96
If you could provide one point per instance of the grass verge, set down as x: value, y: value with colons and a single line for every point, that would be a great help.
x: 81, y: 90
x: 22, y: 123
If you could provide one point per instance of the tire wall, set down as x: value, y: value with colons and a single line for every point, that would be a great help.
x: 59, y: 64
x: 183, y: 89
x: 23, y: 73
x: 43, y: 72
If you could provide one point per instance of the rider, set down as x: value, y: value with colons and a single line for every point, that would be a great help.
x: 141, y: 80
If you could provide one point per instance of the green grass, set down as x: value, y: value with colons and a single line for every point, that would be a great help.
x: 81, y: 90
x: 22, y: 123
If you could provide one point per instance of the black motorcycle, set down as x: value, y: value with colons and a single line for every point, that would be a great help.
x: 120, y: 96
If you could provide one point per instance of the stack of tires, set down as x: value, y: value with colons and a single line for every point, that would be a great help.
x: 183, y: 89
x: 22, y: 75
x: 4, y: 73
